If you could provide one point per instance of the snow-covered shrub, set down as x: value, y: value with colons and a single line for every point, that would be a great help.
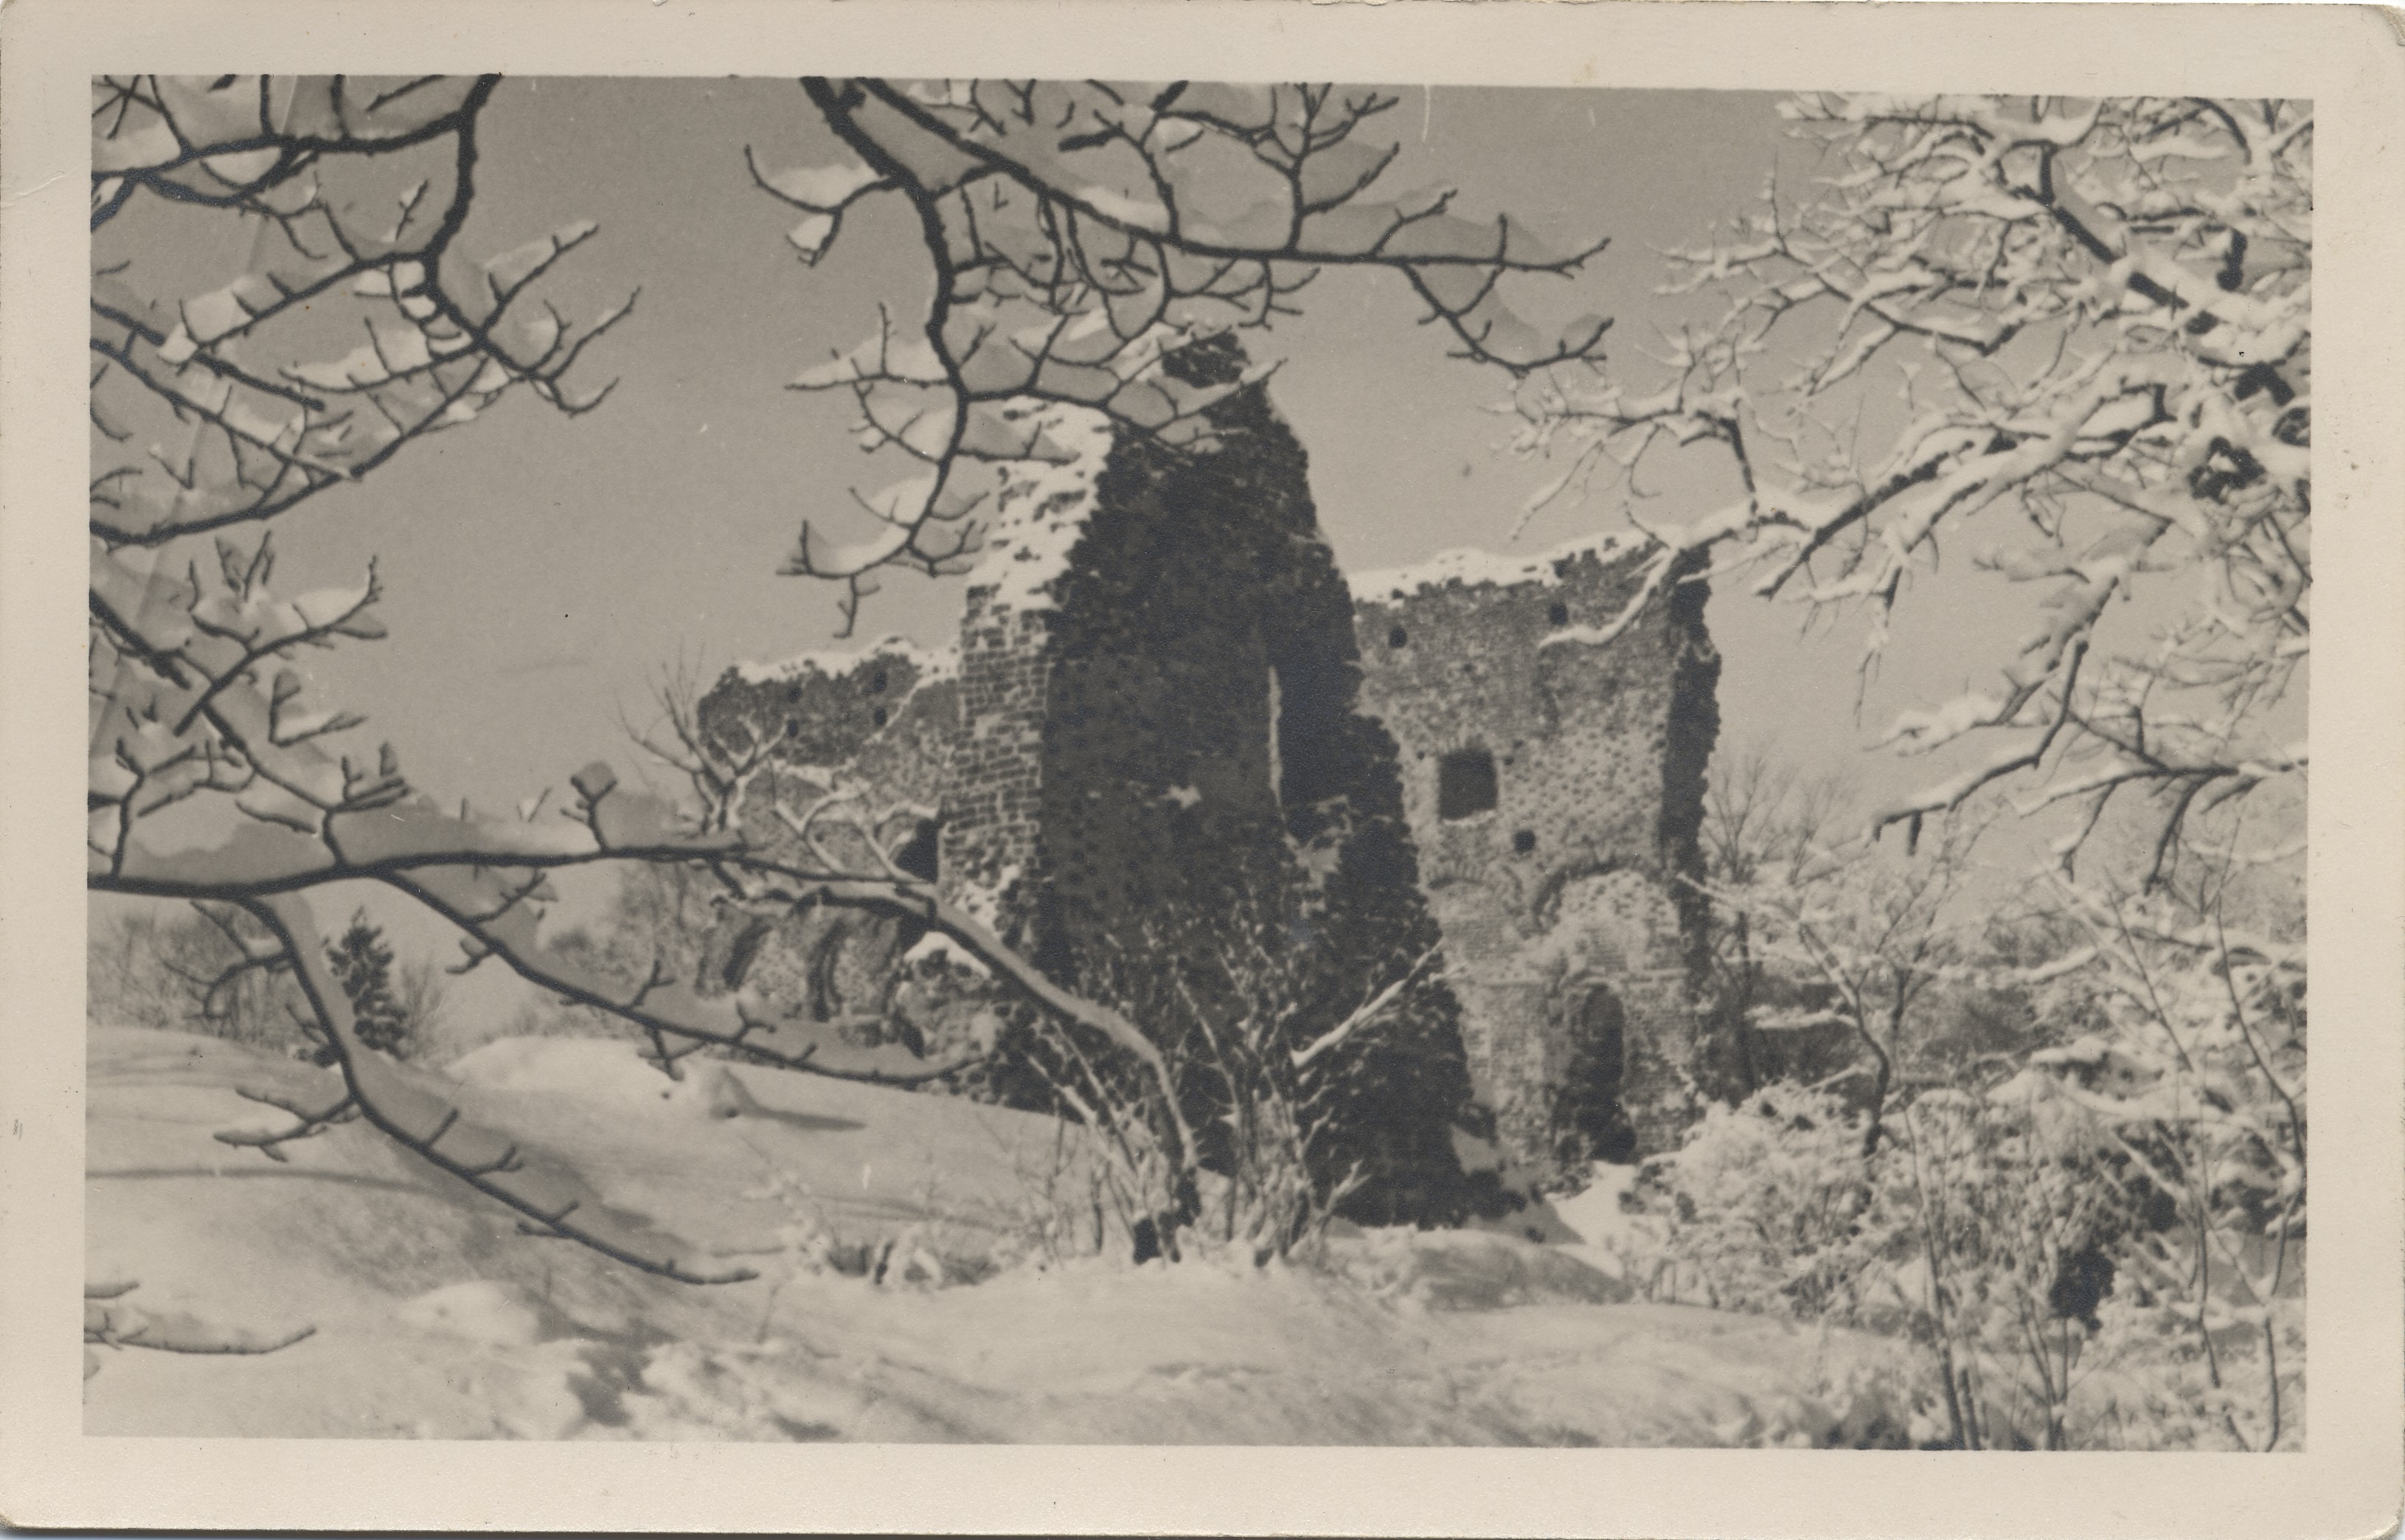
x: 2012, y: 1223
x: 192, y: 972
x: 2007, y: 1243
x: 2164, y: 1384
x: 2036, y: 1241
x: 2192, y: 1087
x: 1270, y: 1109
x: 1769, y: 1206
x: 214, y: 970
x: 1877, y: 1400
x: 2075, y: 1293
x: 657, y: 913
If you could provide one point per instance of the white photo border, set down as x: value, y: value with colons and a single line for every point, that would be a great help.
x: 2351, y: 61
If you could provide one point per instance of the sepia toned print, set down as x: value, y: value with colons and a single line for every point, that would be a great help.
x: 1156, y: 762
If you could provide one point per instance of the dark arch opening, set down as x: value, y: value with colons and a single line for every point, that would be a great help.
x: 1397, y: 637
x: 1559, y: 615
x: 1465, y: 783
x: 917, y: 855
x: 1589, y: 1108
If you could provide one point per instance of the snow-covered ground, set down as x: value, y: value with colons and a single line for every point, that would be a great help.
x: 434, y: 1317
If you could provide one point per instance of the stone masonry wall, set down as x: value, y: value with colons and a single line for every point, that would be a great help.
x: 1164, y: 792
x: 1564, y: 914
x: 878, y: 727
x: 993, y: 801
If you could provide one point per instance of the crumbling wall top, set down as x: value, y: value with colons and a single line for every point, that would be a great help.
x: 932, y: 664
x: 1041, y: 508
x: 1474, y: 569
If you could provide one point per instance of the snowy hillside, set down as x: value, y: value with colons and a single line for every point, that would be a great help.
x: 898, y: 1298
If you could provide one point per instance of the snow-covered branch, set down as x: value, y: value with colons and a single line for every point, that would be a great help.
x: 2072, y: 334
x: 223, y: 407
x: 109, y: 1321
x: 1080, y: 237
x: 216, y: 777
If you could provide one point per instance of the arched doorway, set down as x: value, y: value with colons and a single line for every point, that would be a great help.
x: 1588, y: 1115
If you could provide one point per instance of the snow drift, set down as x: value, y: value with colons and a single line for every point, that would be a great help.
x: 897, y: 1300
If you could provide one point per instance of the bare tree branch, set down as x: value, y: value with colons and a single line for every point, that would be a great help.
x: 2083, y: 328
x: 1078, y: 236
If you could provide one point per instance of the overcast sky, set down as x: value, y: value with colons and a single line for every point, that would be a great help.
x: 541, y: 570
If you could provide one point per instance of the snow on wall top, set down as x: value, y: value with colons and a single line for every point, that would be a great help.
x: 1041, y: 511
x: 932, y: 663
x: 1475, y: 569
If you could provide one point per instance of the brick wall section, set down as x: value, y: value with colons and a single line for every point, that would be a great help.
x: 991, y: 852
x: 1571, y: 882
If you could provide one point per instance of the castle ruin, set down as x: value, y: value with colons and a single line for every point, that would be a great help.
x: 1172, y: 729
x: 1555, y: 784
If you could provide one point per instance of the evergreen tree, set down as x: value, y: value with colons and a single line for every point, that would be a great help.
x: 362, y: 961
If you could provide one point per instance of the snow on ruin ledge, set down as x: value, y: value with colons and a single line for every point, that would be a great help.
x: 932, y: 663
x: 1475, y: 569
x: 1041, y: 511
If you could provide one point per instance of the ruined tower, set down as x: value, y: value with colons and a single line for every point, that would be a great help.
x: 1162, y: 790
x: 1553, y: 781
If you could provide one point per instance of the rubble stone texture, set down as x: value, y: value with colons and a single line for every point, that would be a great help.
x: 878, y: 725
x: 1181, y: 766
x: 1554, y: 786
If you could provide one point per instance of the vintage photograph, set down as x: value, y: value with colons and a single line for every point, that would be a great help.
x: 1160, y: 761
